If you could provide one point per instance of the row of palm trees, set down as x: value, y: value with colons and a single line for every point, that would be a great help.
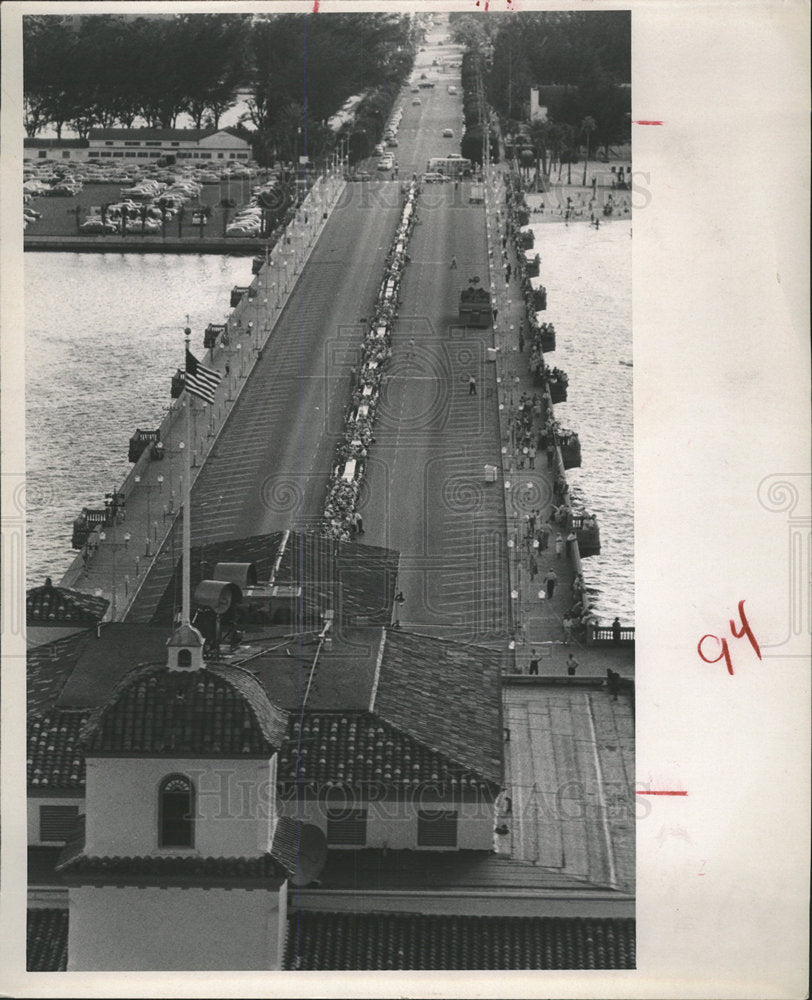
x: 555, y: 143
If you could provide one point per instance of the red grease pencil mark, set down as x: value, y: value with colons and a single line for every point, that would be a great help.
x: 649, y: 123
x: 724, y: 647
x: 660, y: 793
x: 315, y: 6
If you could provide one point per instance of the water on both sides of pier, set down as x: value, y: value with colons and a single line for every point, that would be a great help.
x: 104, y: 335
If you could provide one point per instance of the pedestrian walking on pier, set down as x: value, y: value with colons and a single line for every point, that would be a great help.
x: 572, y: 538
x: 534, y: 663
x: 531, y: 454
x: 550, y: 580
x: 567, y: 624
x: 550, y: 454
x: 544, y: 535
x: 472, y: 386
x: 572, y: 665
x: 559, y: 546
x: 453, y: 262
x: 616, y: 631
x: 508, y: 270
x: 533, y: 566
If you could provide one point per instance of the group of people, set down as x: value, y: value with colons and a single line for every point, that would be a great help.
x: 341, y: 518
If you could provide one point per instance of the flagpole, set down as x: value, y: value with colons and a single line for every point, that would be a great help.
x: 187, y: 494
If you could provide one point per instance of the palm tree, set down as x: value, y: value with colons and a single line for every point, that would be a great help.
x: 588, y: 126
x: 541, y: 132
x: 566, y: 138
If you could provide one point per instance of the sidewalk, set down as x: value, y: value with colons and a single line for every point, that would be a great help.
x: 116, y: 566
x: 538, y: 620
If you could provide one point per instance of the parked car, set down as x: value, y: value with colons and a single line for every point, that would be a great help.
x: 448, y: 133
x: 416, y: 101
x: 95, y: 225
x: 242, y: 230
x: 378, y: 150
x: 432, y: 177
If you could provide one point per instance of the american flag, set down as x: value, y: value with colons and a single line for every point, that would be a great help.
x: 200, y: 380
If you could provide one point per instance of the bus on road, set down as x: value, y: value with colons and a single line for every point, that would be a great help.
x: 451, y: 166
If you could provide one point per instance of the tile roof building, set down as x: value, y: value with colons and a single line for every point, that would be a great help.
x: 384, y: 751
x: 385, y: 941
x: 53, y: 613
x: 47, y: 940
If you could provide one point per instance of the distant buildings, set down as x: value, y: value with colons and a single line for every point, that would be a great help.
x: 145, y: 144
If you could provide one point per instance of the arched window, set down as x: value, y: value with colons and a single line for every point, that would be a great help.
x: 176, y: 812
x: 184, y: 657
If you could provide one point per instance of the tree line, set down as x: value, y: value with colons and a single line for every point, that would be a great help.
x: 583, y: 59
x: 106, y: 70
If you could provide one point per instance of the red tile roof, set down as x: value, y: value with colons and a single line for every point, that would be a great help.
x: 49, y: 605
x: 359, y: 748
x: 216, y: 710
x: 56, y: 759
x: 445, y: 694
x: 390, y: 941
x: 47, y: 940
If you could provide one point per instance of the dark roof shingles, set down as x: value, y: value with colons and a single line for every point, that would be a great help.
x: 48, y: 605
x: 357, y: 748
x: 445, y: 694
x: 263, y: 867
x: 47, y: 940
x: 390, y: 941
x: 218, y: 710
x: 55, y: 756
x: 48, y: 669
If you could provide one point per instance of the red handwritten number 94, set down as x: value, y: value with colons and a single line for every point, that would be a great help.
x: 737, y: 634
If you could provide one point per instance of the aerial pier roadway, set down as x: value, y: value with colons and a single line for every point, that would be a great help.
x: 443, y: 486
x: 446, y: 491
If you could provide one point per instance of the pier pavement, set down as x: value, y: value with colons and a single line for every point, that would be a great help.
x: 268, y: 335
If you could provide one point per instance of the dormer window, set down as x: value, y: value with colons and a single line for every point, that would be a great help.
x: 184, y: 657
x: 176, y: 812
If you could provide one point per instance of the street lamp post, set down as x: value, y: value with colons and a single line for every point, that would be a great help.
x: 114, y: 547
x: 149, y: 488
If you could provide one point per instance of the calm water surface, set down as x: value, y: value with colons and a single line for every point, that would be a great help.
x: 104, y: 334
x: 587, y: 273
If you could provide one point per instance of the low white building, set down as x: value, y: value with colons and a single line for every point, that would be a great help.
x: 134, y: 144
x: 184, y: 144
